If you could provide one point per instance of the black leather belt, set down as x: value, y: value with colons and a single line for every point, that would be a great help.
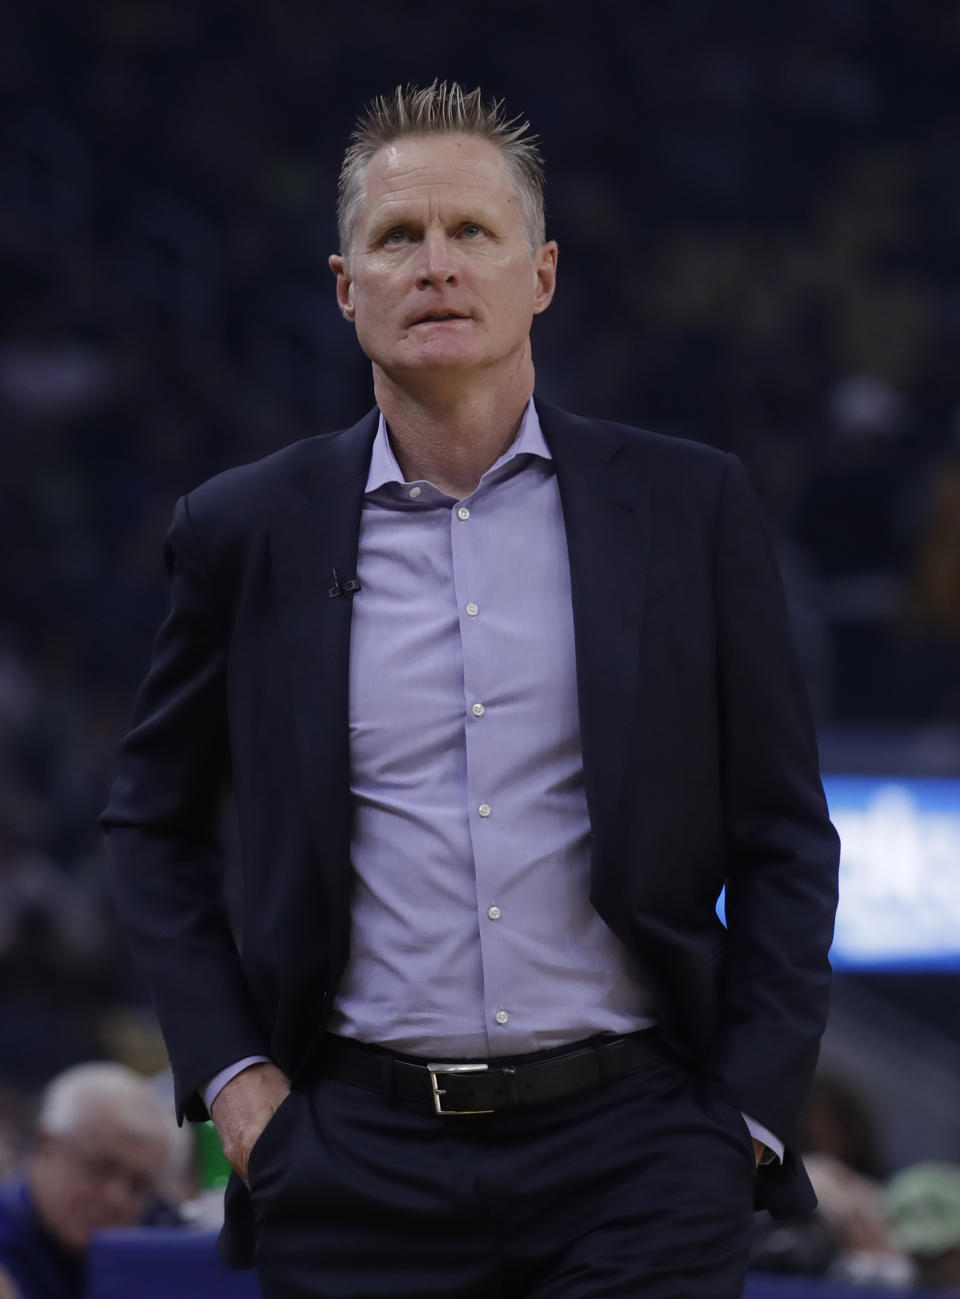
x: 487, y: 1086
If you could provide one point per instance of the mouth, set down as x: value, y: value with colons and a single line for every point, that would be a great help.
x: 438, y: 317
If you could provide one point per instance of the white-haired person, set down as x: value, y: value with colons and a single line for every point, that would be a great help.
x: 100, y: 1145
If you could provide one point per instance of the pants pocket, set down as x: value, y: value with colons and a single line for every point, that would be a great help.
x: 270, y: 1139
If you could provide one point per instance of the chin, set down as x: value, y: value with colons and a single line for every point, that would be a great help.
x: 444, y: 351
x: 437, y: 364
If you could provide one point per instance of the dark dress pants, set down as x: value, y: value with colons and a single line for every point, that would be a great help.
x: 642, y: 1187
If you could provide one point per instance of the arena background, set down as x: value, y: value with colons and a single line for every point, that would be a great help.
x: 758, y: 210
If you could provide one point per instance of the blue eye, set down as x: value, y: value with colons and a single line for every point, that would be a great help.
x: 395, y: 237
x: 471, y: 230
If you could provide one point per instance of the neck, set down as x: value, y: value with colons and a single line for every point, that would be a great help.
x: 450, y: 434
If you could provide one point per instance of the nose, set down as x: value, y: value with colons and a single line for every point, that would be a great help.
x: 437, y: 262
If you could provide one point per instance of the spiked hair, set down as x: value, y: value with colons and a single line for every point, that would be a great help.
x: 441, y: 108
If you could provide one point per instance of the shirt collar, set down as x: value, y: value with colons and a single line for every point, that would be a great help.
x: 383, y: 463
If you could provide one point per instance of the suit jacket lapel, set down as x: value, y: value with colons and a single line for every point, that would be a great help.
x: 605, y: 501
x: 306, y: 545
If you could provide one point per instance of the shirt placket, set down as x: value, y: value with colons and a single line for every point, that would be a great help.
x: 476, y: 587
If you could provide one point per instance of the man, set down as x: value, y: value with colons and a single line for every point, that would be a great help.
x: 100, y: 1147
x: 506, y: 696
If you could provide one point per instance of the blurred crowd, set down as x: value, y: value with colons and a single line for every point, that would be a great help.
x: 103, y: 1152
x: 100, y: 1150
x: 870, y: 1228
x: 757, y: 209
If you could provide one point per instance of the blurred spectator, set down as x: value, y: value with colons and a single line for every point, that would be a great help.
x: 846, y: 1238
x: 98, y: 1152
x: 852, y: 1204
x: 837, y: 1122
x: 852, y: 1209
x: 923, y: 1207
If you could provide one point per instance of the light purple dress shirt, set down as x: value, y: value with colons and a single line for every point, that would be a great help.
x: 472, y: 929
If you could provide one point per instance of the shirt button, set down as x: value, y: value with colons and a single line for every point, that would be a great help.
x: 473, y: 609
x: 478, y: 710
x: 463, y: 513
x: 501, y: 1017
x: 493, y: 912
x: 484, y: 809
x: 415, y: 492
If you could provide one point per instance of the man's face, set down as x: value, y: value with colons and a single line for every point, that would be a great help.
x: 104, y: 1176
x: 440, y: 278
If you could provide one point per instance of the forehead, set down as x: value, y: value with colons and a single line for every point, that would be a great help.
x: 437, y: 169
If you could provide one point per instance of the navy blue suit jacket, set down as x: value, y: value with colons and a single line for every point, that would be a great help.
x: 699, y: 758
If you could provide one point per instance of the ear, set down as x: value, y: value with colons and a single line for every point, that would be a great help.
x: 344, y: 280
x: 545, y: 268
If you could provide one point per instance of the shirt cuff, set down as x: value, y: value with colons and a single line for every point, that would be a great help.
x: 219, y: 1080
x: 774, y: 1152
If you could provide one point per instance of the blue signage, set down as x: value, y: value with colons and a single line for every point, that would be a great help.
x: 899, y: 872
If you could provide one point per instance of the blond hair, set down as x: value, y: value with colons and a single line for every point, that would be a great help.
x: 441, y: 108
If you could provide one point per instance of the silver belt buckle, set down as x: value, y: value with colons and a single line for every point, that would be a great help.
x: 438, y: 1070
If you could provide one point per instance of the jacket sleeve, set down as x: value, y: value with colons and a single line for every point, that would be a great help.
x: 161, y: 823
x: 782, y: 852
